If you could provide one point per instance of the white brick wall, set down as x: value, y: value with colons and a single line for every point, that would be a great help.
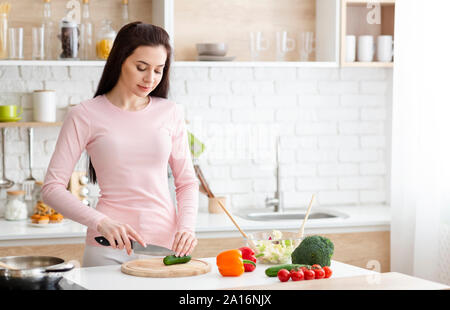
x: 333, y: 124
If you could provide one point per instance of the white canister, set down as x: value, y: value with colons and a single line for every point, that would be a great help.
x: 350, y: 48
x: 44, y: 106
x: 384, y: 48
x: 366, y: 48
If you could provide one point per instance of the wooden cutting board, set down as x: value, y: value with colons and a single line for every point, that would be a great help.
x: 155, y: 268
x: 382, y: 281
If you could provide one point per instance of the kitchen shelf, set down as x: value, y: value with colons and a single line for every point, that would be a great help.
x: 72, y: 63
x: 309, y: 64
x: 374, y: 64
x: 354, y: 22
x: 198, y: 21
x: 101, y: 63
x: 29, y: 124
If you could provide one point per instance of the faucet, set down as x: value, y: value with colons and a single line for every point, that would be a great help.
x: 276, y: 201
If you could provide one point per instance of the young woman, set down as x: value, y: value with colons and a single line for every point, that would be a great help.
x: 131, y: 133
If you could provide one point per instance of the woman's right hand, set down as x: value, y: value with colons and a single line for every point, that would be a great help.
x: 115, y: 231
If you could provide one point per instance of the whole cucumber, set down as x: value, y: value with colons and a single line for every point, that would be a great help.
x: 273, y: 271
x: 172, y: 260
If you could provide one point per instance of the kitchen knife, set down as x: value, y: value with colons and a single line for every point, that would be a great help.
x: 151, y: 249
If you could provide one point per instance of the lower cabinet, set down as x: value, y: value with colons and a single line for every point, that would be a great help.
x: 64, y: 251
x: 370, y: 250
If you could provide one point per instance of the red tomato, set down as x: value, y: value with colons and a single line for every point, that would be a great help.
x: 328, y: 271
x: 297, y: 275
x: 303, y: 269
x: 316, y: 266
x: 319, y: 273
x: 283, y: 275
x: 309, y: 274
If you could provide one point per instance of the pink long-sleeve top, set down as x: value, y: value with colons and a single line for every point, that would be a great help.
x: 130, y: 151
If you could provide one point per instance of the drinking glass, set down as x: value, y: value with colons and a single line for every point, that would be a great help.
x: 3, y: 35
x: 284, y: 45
x: 15, y: 43
x: 306, y: 41
x: 38, y: 43
x: 257, y: 44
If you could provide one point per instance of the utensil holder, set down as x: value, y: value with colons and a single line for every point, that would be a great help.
x: 213, y: 204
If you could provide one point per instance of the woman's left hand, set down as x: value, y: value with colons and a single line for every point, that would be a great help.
x: 184, y: 243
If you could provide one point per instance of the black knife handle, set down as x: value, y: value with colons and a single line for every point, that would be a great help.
x: 103, y: 241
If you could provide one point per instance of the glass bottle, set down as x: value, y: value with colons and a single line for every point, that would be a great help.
x: 86, y: 33
x: 3, y: 35
x: 125, y: 14
x: 16, y: 208
x: 49, y: 31
x: 105, y: 40
x: 36, y: 196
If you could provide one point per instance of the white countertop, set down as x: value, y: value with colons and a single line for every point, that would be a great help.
x: 359, y: 218
x: 111, y: 278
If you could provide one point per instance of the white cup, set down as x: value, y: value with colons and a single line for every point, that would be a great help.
x: 384, y: 48
x: 366, y: 48
x: 350, y: 48
x: 44, y: 106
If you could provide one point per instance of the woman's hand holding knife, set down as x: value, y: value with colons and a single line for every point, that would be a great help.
x: 122, y: 233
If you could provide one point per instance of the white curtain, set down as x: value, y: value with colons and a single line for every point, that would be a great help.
x: 420, y: 183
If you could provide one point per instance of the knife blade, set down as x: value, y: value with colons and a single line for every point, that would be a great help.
x: 150, y: 249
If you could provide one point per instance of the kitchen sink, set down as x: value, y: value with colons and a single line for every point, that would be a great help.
x: 291, y: 215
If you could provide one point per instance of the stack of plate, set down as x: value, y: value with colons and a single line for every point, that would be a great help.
x: 213, y: 52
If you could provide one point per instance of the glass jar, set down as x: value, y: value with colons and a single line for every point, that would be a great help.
x: 69, y: 36
x: 16, y: 208
x: 105, y: 40
x: 36, y: 196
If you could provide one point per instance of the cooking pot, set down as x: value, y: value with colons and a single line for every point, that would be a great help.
x: 33, y: 272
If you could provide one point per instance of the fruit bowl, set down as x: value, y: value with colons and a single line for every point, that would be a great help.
x: 274, y: 247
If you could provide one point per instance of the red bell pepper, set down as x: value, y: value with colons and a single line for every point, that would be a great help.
x: 249, y: 254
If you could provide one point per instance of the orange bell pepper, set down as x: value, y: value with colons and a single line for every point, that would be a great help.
x: 231, y: 264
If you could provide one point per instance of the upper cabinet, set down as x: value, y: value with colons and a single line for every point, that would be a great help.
x: 257, y: 32
x: 367, y: 33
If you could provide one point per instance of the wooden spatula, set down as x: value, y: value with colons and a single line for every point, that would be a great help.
x: 301, y: 231
x: 211, y: 195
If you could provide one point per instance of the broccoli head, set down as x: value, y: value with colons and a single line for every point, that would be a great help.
x: 314, y: 250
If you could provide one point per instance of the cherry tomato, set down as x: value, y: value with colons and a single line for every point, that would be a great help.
x: 297, y: 275
x: 328, y: 271
x: 283, y: 275
x: 303, y: 269
x: 319, y: 273
x: 309, y: 274
x: 316, y: 266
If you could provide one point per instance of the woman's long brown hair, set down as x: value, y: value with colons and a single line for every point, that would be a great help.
x: 130, y: 37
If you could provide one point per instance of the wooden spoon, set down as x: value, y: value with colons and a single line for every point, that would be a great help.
x: 7, y: 266
x: 211, y: 195
x: 301, y: 231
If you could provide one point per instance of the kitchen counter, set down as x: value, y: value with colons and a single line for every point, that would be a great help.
x: 359, y: 218
x: 111, y: 278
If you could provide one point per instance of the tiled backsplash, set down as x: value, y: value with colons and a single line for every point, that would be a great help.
x: 333, y: 123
